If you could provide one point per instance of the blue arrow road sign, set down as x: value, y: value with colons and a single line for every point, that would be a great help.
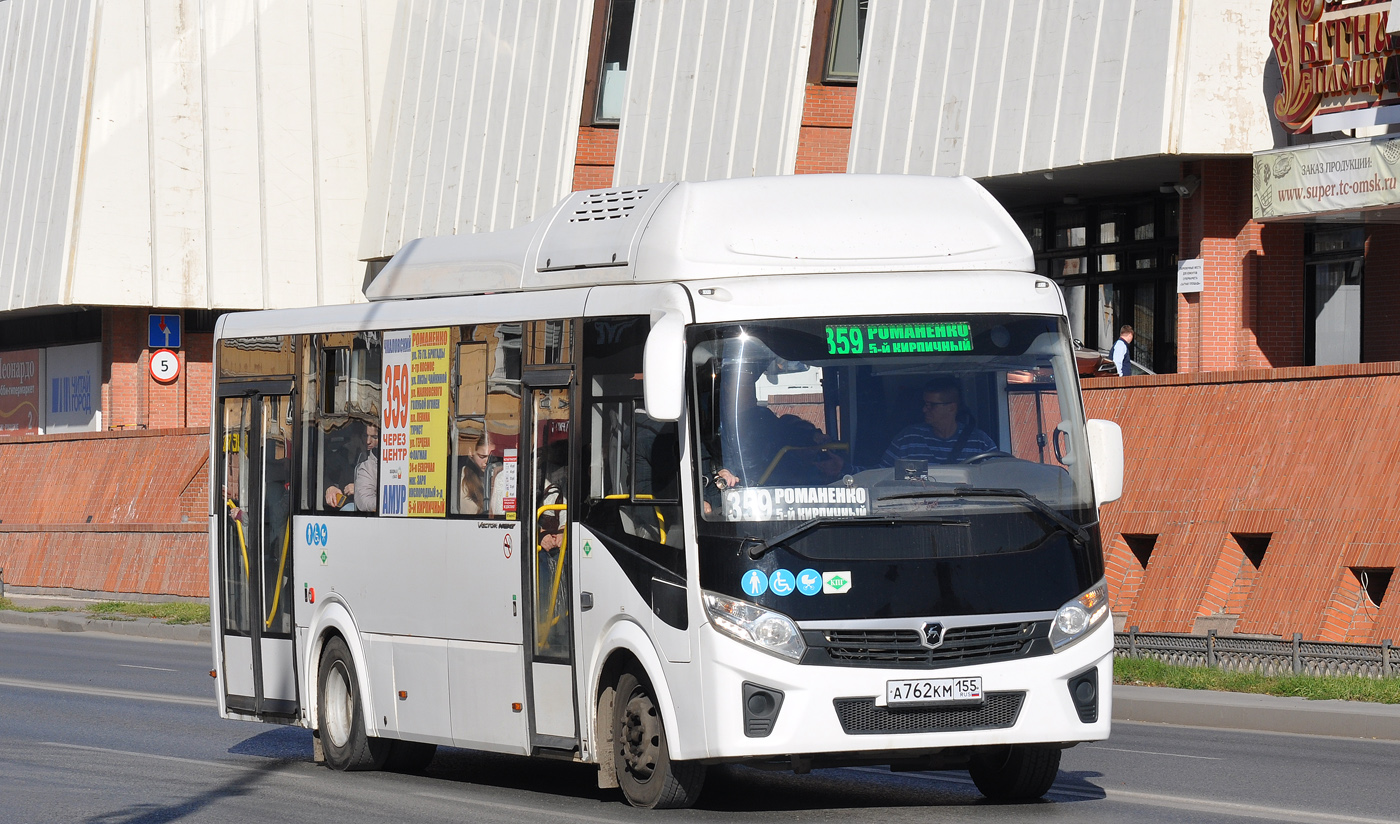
x: 165, y: 332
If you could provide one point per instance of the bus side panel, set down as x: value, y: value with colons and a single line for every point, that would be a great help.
x: 487, y: 682
x: 420, y: 684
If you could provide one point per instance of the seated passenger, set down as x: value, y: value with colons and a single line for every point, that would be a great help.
x: 361, y: 493
x: 945, y: 436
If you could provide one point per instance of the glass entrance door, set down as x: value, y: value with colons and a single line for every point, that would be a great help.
x: 551, y: 573
x: 255, y: 563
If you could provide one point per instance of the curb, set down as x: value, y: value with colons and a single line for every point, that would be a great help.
x: 134, y: 628
x: 1256, y: 713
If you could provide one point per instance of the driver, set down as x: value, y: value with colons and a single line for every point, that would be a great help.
x: 945, y: 436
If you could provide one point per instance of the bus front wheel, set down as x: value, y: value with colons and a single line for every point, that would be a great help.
x: 1018, y: 772
x: 645, y: 772
x: 341, y: 721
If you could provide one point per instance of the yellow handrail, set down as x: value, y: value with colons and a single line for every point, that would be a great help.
x: 782, y: 453
x: 242, y: 543
x: 660, y: 518
x: 277, y: 591
x: 543, y: 626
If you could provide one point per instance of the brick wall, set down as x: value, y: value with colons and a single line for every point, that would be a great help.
x: 824, y: 141
x: 107, y: 511
x: 593, y: 163
x: 1298, y: 462
x: 131, y: 398
x: 1251, y: 311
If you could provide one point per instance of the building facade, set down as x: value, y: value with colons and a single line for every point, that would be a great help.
x: 203, y: 157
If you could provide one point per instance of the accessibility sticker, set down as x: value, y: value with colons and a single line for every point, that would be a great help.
x: 835, y: 583
x: 809, y: 582
x: 754, y: 583
x: 781, y: 582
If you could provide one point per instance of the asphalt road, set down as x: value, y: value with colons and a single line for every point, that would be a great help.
x: 99, y: 728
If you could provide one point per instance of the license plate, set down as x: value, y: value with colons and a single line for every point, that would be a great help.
x: 966, y: 690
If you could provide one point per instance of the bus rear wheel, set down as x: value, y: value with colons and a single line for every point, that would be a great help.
x: 340, y: 720
x: 645, y: 772
x: 1018, y: 772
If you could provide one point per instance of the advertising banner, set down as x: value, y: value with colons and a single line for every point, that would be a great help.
x: 413, y: 441
x: 73, y: 375
x: 21, y: 402
x: 1342, y: 176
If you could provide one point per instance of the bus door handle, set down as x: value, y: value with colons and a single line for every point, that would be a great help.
x: 585, y: 601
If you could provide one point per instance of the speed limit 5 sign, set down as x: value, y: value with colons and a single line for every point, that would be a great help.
x: 165, y: 365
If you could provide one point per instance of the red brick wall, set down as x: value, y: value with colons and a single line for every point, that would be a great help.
x: 107, y: 511
x: 1251, y: 311
x: 1306, y: 455
x: 593, y: 163
x: 131, y: 398
x: 824, y: 141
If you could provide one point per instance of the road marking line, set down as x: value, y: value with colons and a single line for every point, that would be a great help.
x: 1150, y: 752
x: 104, y: 692
x: 138, y: 666
x: 227, y: 765
x: 1240, y: 809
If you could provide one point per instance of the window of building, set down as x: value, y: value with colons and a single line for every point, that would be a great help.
x: 611, y: 71
x: 1333, y: 265
x: 844, y: 43
x: 1116, y: 261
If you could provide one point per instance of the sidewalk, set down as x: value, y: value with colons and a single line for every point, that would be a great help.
x: 77, y: 621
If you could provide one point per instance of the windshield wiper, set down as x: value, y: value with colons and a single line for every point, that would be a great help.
x: 1075, y: 530
x: 758, y: 547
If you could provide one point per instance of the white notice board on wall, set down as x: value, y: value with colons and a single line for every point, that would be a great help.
x: 1190, y: 275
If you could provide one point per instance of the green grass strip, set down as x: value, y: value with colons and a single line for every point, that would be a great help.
x: 1147, y: 672
x: 6, y: 603
x: 178, y: 612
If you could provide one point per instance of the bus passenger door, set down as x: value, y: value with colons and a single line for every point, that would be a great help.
x: 255, y: 559
x: 551, y: 561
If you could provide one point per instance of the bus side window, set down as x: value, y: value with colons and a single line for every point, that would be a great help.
x: 486, y: 419
x: 633, y: 476
x: 341, y: 383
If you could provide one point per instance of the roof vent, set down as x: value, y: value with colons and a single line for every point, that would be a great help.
x: 607, y: 205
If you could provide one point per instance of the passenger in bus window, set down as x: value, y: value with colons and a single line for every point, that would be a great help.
x: 361, y: 493
x: 946, y: 435
x: 472, y: 489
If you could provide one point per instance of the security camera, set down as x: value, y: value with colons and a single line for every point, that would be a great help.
x: 1187, y: 186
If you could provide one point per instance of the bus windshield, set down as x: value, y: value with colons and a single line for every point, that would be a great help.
x: 891, y: 418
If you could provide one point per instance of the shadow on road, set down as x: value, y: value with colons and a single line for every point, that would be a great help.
x: 240, y: 785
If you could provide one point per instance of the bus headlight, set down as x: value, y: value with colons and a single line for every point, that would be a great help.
x: 756, y: 626
x: 1076, y: 618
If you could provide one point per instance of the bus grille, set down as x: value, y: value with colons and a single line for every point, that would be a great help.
x: 860, y: 716
x: 903, y: 648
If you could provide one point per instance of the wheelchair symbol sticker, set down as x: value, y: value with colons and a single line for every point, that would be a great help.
x: 781, y: 582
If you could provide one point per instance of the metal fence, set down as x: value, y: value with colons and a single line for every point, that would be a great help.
x: 1267, y: 656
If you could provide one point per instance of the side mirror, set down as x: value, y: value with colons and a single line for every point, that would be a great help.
x: 1106, y: 459
x: 663, y: 368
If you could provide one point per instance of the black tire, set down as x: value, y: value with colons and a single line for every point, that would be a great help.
x: 645, y: 772
x: 411, y: 757
x: 1020, y: 772
x: 341, y: 720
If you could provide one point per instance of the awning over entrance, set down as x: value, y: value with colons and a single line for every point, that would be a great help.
x: 1353, y: 181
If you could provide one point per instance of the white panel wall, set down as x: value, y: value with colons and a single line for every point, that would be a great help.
x: 42, y: 49
x: 714, y: 89
x: 185, y: 153
x: 997, y: 87
x: 478, y: 127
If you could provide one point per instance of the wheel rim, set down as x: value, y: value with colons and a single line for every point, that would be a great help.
x: 641, y: 737
x: 339, y: 706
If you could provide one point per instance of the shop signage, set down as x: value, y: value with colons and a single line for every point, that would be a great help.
x: 1340, y: 176
x: 74, y: 382
x: 21, y: 402
x: 1334, y: 56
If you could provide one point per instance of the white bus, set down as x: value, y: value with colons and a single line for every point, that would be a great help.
x: 783, y: 471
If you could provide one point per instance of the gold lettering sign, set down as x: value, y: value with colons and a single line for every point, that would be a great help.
x: 1333, y: 55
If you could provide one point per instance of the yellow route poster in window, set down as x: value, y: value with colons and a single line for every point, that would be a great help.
x: 428, y: 400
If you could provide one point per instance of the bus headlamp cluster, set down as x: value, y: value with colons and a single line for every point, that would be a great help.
x: 756, y: 626
x: 1076, y: 618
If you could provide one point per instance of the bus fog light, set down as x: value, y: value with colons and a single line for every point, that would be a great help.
x: 758, y: 627
x: 1075, y: 619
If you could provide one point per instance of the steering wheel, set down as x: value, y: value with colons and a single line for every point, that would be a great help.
x: 982, y: 456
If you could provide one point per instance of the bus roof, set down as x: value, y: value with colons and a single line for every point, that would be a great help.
x: 793, y: 224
